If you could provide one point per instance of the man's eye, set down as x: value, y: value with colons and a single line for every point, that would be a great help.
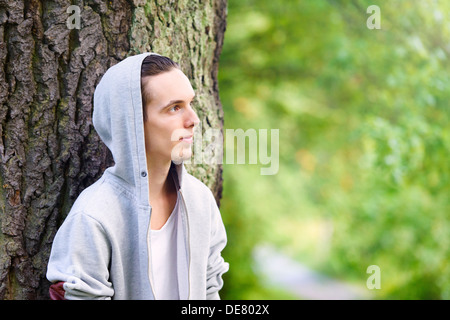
x: 175, y: 108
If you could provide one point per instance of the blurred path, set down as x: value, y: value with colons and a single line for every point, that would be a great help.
x: 296, y: 278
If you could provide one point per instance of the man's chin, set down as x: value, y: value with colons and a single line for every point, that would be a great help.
x: 181, y: 153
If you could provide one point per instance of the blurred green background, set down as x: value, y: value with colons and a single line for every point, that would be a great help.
x: 364, y: 120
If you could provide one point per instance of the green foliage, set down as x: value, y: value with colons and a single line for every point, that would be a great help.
x: 364, y: 141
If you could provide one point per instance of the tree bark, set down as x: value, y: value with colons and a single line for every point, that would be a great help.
x: 49, y: 149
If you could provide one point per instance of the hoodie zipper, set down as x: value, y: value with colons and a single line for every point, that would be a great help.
x: 189, y: 246
x: 149, y: 271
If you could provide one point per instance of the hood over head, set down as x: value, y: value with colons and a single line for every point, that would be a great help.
x: 119, y: 121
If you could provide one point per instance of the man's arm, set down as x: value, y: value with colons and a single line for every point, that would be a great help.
x: 78, y: 265
x: 216, y: 264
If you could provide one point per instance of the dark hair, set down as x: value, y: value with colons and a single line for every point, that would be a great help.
x: 151, y: 66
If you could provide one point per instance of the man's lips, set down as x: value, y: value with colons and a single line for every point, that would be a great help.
x: 188, y: 139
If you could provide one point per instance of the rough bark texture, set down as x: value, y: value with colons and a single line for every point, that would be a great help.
x: 49, y: 149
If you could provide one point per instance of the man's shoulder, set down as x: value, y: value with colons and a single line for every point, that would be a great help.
x: 195, y: 184
x: 103, y: 199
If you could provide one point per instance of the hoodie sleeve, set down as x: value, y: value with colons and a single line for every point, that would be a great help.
x: 80, y: 257
x: 216, y: 264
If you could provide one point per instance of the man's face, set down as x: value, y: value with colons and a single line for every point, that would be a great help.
x: 170, y: 121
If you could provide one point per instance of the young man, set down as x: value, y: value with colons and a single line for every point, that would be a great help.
x: 146, y: 229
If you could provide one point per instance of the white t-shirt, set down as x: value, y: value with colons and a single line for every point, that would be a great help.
x: 164, y: 258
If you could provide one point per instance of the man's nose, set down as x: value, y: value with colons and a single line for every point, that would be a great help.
x: 192, y: 118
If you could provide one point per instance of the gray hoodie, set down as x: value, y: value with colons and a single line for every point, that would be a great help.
x: 102, y: 250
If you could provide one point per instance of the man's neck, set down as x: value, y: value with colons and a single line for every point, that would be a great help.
x: 158, y: 173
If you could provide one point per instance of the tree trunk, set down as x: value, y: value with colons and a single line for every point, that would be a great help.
x: 49, y: 149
